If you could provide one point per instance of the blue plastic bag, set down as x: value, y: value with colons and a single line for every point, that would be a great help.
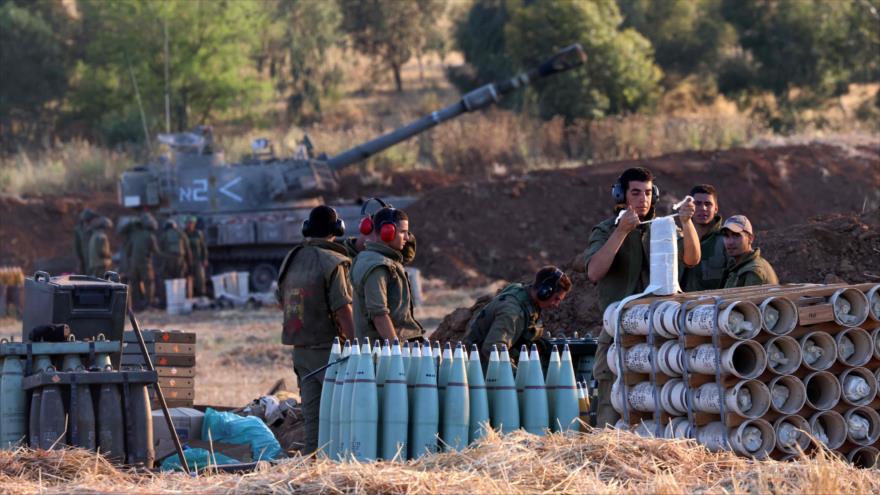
x: 231, y: 428
x: 196, y: 459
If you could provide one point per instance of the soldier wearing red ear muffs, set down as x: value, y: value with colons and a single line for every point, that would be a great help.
x: 355, y: 244
x: 383, y: 299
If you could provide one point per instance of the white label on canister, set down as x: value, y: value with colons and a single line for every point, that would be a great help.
x: 635, y: 320
x: 700, y: 320
x: 638, y: 358
x: 702, y: 359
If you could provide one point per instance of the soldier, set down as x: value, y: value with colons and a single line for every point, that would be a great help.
x: 314, y: 290
x: 513, y: 317
x: 617, y: 260
x: 383, y: 296
x: 100, y: 257
x: 175, y: 251
x: 709, y: 273
x: 141, y: 247
x: 745, y: 266
x: 199, y: 250
x: 81, y: 234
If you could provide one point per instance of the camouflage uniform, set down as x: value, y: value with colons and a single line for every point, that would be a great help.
x: 175, y: 251
x: 100, y: 257
x: 199, y: 250
x: 81, y: 236
x: 709, y: 273
x: 141, y: 247
x: 381, y: 286
x: 749, y: 269
x: 511, y: 318
x: 313, y: 284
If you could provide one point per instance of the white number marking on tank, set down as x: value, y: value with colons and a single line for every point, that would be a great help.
x: 225, y: 189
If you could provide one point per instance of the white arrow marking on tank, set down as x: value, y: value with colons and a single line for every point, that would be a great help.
x: 229, y: 184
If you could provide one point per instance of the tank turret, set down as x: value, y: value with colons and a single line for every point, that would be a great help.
x: 252, y: 211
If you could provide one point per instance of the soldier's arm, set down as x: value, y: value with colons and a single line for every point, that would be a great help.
x: 340, y: 302
x: 506, y: 328
x: 376, y: 302
x: 603, y: 247
x: 692, y: 254
x: 105, y: 248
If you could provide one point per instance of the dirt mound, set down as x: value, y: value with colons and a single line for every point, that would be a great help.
x: 826, y: 249
x: 37, y: 232
x: 473, y: 233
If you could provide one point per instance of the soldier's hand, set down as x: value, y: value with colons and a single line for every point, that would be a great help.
x: 629, y: 221
x: 687, y: 210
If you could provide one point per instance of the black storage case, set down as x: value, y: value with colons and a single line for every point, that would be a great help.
x: 89, y: 305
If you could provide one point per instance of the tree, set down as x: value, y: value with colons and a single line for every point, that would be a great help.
x: 391, y: 31
x: 210, y: 64
x: 619, y: 76
x: 37, y: 59
x: 480, y: 37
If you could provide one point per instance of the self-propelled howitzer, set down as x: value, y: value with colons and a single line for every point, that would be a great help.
x: 252, y: 211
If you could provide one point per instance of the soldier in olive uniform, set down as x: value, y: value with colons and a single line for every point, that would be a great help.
x: 709, y: 273
x: 100, y: 257
x: 617, y: 259
x: 746, y: 266
x: 513, y: 317
x: 141, y: 247
x: 199, y: 250
x: 384, y: 304
x: 175, y: 251
x: 81, y: 235
x: 314, y: 290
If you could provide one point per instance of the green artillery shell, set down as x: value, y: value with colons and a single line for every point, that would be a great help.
x: 505, y: 410
x: 424, y: 410
x: 456, y: 407
x: 395, y: 408
x: 53, y: 418
x: 325, y: 412
x: 333, y: 451
x: 345, y: 407
x: 139, y: 440
x: 81, y: 431
x: 40, y: 364
x: 14, y: 407
x: 111, y: 425
x: 365, y: 408
x: 535, y: 413
x: 552, y: 382
x: 479, y: 401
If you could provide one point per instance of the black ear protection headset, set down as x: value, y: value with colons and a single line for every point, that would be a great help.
x: 366, y: 227
x: 338, y: 226
x: 618, y: 192
x: 549, y: 285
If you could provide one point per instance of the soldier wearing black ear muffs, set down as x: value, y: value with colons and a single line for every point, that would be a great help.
x: 513, y: 317
x: 617, y: 260
x: 315, y: 293
x: 382, y: 293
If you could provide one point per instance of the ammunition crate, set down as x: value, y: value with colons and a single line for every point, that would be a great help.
x: 154, y: 335
x: 159, y: 360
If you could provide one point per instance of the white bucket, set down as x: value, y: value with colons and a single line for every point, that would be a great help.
x: 823, y: 390
x: 792, y: 434
x: 855, y: 347
x: 242, y: 279
x: 858, y: 386
x: 783, y: 355
x: 873, y: 296
x: 850, y: 307
x: 787, y: 394
x: 739, y: 319
x: 669, y: 358
x: 744, y: 359
x: 863, y: 425
x: 819, y: 350
x: 779, y: 315
x: 175, y: 296
x: 864, y: 457
x: 829, y: 427
x: 673, y: 398
x: 748, y: 398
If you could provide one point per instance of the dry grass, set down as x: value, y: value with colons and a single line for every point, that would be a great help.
x: 599, y: 462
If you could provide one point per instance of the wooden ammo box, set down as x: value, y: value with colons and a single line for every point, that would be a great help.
x: 173, y: 354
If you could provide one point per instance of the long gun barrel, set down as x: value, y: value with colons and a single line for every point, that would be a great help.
x: 567, y: 58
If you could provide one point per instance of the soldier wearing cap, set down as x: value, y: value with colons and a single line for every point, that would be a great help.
x: 81, y: 235
x: 383, y: 294
x: 746, y: 266
x: 315, y: 294
x: 199, y: 250
x: 708, y: 274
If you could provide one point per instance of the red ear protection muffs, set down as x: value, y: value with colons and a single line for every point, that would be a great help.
x: 387, y: 232
x: 366, y: 226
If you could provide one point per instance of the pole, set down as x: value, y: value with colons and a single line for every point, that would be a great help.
x: 167, y: 81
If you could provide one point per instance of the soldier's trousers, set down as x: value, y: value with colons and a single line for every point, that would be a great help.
x: 198, y: 279
x: 173, y: 268
x: 305, y: 361
x: 605, y: 413
x: 142, y: 280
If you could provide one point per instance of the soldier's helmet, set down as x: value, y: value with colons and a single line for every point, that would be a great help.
x: 102, y: 223
x: 170, y: 224
x: 191, y: 220
x: 87, y: 215
x: 149, y: 221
